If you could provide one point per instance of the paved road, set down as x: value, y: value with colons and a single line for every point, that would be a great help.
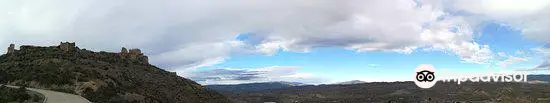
x: 57, y: 97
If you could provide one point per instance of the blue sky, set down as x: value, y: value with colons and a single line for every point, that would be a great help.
x: 244, y: 41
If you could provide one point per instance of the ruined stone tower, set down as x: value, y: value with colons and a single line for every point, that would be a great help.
x: 134, y: 54
x: 124, y: 51
x: 66, y: 46
x: 11, y: 49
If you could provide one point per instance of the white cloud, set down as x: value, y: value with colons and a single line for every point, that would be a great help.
x: 502, y: 8
x: 502, y: 54
x: 529, y: 16
x: 403, y: 28
x: 511, y: 60
x: 544, y: 66
x: 188, y: 34
x: 374, y: 65
x: 265, y: 74
x: 197, y: 55
x: 542, y: 50
x: 520, y: 52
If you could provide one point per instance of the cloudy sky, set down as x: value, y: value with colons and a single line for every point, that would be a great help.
x: 310, y: 41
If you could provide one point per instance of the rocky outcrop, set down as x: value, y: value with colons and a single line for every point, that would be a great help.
x: 134, y: 54
x: 11, y: 49
x: 71, y: 48
x: 101, y: 77
x: 123, y: 51
x: 66, y: 46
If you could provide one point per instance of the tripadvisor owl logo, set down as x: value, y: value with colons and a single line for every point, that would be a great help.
x: 425, y: 76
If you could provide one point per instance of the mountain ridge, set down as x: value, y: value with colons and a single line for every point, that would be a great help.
x: 351, y: 82
x: 247, y: 87
x: 100, y: 76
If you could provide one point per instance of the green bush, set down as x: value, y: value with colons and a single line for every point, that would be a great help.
x: 11, y: 95
x: 36, y: 98
x: 22, y: 94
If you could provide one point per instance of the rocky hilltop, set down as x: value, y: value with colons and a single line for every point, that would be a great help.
x: 100, y: 76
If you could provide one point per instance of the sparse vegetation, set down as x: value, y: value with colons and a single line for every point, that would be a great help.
x: 100, y: 77
x: 17, y: 95
x: 400, y: 92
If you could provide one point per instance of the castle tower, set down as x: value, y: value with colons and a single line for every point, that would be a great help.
x: 66, y: 46
x: 123, y: 50
x: 134, y: 54
x: 11, y: 49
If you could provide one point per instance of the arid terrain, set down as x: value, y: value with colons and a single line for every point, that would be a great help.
x: 400, y: 92
x: 101, y: 77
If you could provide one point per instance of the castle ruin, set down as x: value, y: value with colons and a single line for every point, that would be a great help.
x: 66, y: 46
x: 134, y: 54
x: 11, y: 49
x: 123, y: 51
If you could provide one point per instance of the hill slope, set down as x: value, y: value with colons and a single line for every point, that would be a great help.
x: 402, y: 92
x: 100, y: 76
x: 351, y: 82
x: 543, y: 78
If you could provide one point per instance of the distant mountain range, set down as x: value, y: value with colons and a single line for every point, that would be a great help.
x: 401, y: 92
x: 539, y: 77
x: 357, y: 91
x: 248, y: 87
x: 254, y: 86
x: 352, y: 82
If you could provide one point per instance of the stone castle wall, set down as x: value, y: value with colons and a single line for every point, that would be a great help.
x: 134, y: 54
x: 66, y: 46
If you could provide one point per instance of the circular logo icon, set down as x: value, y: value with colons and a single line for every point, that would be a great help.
x: 425, y: 76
